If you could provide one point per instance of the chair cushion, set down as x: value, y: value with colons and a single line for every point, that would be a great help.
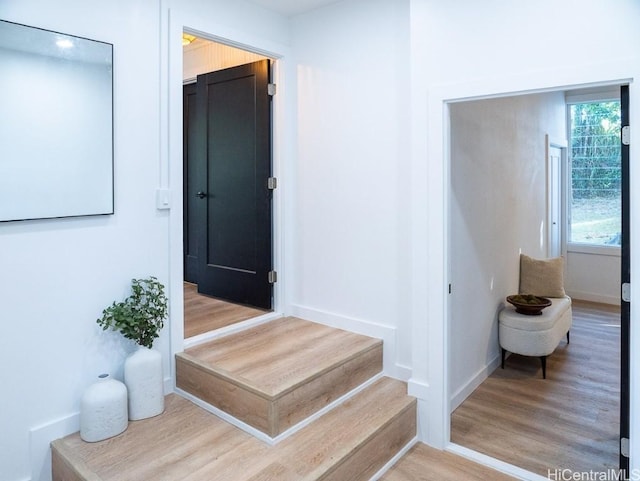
x: 542, y: 277
x: 510, y: 318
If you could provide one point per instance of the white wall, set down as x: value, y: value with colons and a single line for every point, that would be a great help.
x: 497, y: 210
x: 352, y: 202
x: 366, y: 238
x: 466, y: 49
x: 593, y: 276
x: 56, y: 276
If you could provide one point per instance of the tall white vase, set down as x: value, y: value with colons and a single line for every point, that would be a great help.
x: 103, y: 410
x: 143, y: 377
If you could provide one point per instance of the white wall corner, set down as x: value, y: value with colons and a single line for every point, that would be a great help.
x: 465, y: 391
x: 168, y: 385
x: 432, y: 428
x: 360, y: 326
x: 420, y: 390
x: 403, y: 372
x: 40, y: 438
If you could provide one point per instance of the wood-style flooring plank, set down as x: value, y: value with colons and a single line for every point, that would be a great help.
x: 568, y: 421
x: 274, y: 375
x: 423, y: 463
x: 276, y: 357
x: 204, y: 313
x: 186, y: 443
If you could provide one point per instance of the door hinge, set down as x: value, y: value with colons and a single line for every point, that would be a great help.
x: 273, y: 277
x: 626, y: 135
x: 271, y: 89
x: 624, y: 447
x: 272, y: 183
x: 626, y: 292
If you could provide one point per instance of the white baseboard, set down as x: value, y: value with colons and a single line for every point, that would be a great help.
x: 465, y: 391
x: 359, y: 326
x: 592, y: 297
x: 494, y: 463
x: 40, y: 438
x: 418, y: 389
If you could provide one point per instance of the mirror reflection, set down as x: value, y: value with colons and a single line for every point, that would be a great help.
x: 56, y: 124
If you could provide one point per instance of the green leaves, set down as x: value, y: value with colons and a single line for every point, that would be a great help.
x: 595, y: 150
x: 140, y: 317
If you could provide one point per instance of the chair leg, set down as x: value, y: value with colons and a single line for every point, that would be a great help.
x: 568, y: 337
x: 503, y: 353
x: 543, y: 360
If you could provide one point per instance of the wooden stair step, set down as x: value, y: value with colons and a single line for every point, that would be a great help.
x: 186, y: 443
x: 277, y: 374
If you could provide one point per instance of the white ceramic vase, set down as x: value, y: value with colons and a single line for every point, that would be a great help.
x: 103, y: 410
x: 143, y: 377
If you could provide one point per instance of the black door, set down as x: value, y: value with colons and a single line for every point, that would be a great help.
x: 228, y: 188
x: 626, y: 279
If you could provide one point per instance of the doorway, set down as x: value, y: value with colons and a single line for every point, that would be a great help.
x: 491, y: 229
x: 227, y: 220
x: 556, y: 159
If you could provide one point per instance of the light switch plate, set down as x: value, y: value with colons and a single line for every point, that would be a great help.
x: 163, y: 199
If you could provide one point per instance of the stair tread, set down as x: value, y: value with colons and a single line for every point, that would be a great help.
x: 276, y: 357
x: 187, y: 443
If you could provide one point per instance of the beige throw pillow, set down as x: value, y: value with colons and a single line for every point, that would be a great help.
x: 542, y: 277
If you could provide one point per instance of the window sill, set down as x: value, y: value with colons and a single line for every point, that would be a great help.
x: 613, y: 251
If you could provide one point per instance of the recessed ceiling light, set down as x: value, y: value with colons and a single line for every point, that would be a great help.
x: 187, y: 39
x: 64, y: 43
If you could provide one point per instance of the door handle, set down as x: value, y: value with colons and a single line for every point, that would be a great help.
x: 201, y: 195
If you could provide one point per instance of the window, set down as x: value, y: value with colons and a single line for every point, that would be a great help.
x: 594, y: 197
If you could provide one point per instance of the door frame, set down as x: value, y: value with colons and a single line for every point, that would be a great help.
x: 561, y: 174
x: 564, y: 184
x: 174, y: 22
x: 430, y: 218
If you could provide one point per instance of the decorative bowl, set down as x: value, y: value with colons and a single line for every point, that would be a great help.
x: 529, y: 304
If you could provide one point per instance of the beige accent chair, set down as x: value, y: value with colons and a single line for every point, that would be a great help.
x: 537, y: 335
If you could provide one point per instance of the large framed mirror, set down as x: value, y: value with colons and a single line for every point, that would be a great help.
x: 56, y: 124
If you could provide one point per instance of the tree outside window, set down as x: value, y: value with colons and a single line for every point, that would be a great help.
x: 595, y: 169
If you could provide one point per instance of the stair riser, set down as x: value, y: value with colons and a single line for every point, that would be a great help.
x: 362, y: 464
x: 61, y: 470
x: 274, y: 415
x: 306, y: 400
x: 240, y: 403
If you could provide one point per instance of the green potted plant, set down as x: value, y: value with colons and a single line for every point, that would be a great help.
x: 140, y: 317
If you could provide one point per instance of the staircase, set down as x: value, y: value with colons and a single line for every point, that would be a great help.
x: 311, y: 401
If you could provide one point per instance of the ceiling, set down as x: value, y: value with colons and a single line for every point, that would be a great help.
x: 290, y: 8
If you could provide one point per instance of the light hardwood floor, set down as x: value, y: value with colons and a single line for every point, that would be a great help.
x: 203, y: 313
x: 423, y: 463
x: 274, y: 375
x: 186, y: 443
x: 568, y: 421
